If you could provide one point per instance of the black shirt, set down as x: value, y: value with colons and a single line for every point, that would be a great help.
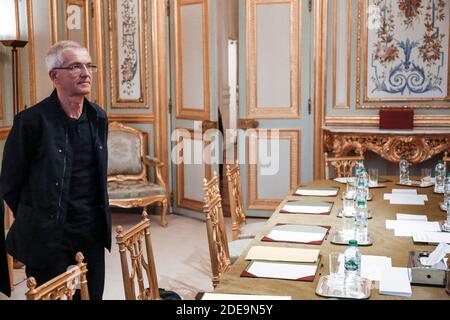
x: 83, y: 201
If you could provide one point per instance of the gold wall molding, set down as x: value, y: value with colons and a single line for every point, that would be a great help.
x: 253, y: 201
x: 159, y: 60
x: 182, y: 111
x: 181, y: 199
x: 349, y: 52
x: 363, y: 5
x: 4, y: 132
x: 143, y: 102
x: 131, y: 118
x: 417, y: 147
x: 373, y: 121
x: 31, y: 52
x: 320, y: 64
x: 253, y: 109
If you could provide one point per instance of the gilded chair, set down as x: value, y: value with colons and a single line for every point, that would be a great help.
x: 222, y: 252
x: 343, y: 166
x: 140, y: 281
x: 61, y: 287
x: 239, y: 227
x: 128, y: 183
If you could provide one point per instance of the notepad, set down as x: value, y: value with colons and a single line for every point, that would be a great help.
x: 396, y: 282
x: 228, y: 296
x: 374, y: 267
x: 431, y: 237
x: 282, y: 254
x: 320, y: 192
x: 406, y: 228
x: 344, y: 179
x: 411, y: 217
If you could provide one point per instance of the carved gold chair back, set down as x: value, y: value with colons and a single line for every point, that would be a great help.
x: 61, y: 287
x: 235, y: 195
x: 138, y: 264
x: 215, y: 226
x: 343, y: 166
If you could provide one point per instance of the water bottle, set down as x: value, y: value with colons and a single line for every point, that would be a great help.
x: 358, y: 168
x: 404, y: 170
x: 352, y: 261
x: 439, y: 173
x: 361, y: 215
x: 364, y: 179
x: 446, y: 225
x: 447, y: 189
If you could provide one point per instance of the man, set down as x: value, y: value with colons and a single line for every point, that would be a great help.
x: 5, y: 286
x: 54, y: 175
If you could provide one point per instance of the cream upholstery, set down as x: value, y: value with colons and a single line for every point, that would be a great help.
x: 128, y: 183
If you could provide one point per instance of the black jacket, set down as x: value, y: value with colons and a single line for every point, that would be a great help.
x: 32, y: 177
x: 5, y: 286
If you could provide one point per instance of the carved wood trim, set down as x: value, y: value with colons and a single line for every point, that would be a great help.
x: 417, y: 148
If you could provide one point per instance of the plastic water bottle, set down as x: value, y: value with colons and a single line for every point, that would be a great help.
x: 404, y: 170
x: 361, y: 215
x: 364, y: 179
x: 439, y: 173
x: 358, y: 168
x: 352, y: 261
x: 446, y: 225
x: 447, y: 189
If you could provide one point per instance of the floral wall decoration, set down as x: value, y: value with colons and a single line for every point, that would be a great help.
x: 407, y: 50
x: 128, y: 53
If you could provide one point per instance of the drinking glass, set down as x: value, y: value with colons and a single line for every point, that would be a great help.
x: 373, y: 177
x: 348, y: 205
x: 351, y: 189
x: 425, y: 173
x: 336, y: 275
x: 348, y: 227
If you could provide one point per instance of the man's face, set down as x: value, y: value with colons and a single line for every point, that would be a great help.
x: 73, y: 82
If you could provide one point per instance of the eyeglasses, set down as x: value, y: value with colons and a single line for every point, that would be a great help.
x: 78, y: 67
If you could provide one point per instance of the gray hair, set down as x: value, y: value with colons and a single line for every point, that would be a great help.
x: 54, y: 57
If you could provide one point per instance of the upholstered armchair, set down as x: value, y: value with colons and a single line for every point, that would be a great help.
x: 128, y: 182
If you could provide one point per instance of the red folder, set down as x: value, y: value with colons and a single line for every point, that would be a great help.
x: 318, y: 242
x: 247, y: 274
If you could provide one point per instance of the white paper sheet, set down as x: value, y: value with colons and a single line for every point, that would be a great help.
x: 343, y: 180
x: 316, y: 192
x: 293, y: 236
x: 431, y: 237
x: 406, y: 228
x: 395, y: 282
x: 374, y: 267
x: 281, y: 270
x: 229, y: 296
x: 305, y: 209
x: 404, y: 191
x: 407, y: 199
x: 415, y: 217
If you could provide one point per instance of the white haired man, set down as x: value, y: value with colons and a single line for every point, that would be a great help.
x: 54, y: 175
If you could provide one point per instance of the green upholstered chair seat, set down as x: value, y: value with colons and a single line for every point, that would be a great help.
x: 133, y: 189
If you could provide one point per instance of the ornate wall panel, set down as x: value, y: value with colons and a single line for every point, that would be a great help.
x: 417, y: 147
x: 192, y: 87
x: 273, y: 67
x: 190, y: 169
x: 342, y: 53
x: 128, y: 34
x: 264, y: 192
x: 405, y: 53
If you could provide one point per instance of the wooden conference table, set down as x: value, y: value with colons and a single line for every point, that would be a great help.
x: 384, y: 244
